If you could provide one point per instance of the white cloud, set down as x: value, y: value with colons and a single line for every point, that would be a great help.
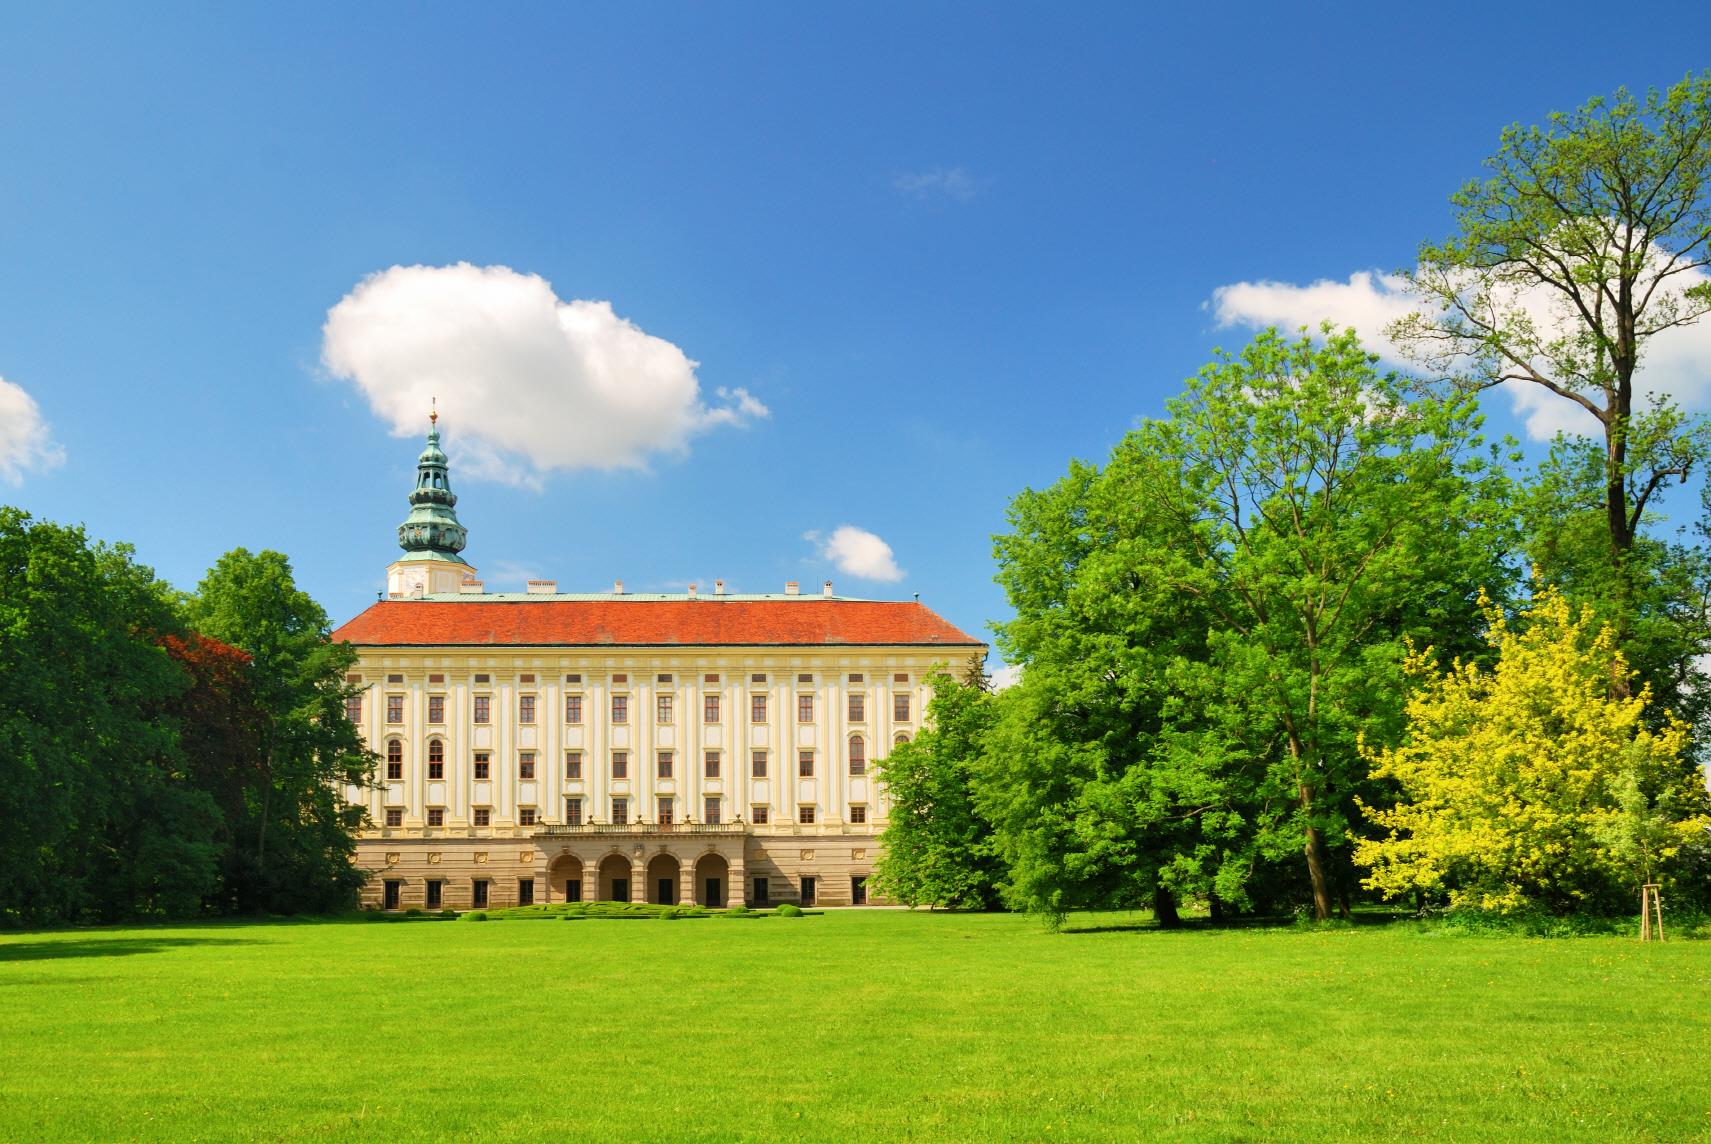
x: 1677, y: 362
x: 939, y: 182
x: 527, y: 383
x: 857, y: 552
x: 1007, y: 676
x: 26, y: 441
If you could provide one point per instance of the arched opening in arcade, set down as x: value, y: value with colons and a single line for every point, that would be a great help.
x: 663, y: 886
x: 712, y: 881
x: 614, y: 878
x: 564, y: 879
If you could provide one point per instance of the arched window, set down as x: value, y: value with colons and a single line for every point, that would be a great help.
x: 902, y: 737
x: 436, y: 758
x: 858, y: 756
x: 394, y: 759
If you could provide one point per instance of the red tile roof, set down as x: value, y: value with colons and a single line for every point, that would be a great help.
x: 649, y: 623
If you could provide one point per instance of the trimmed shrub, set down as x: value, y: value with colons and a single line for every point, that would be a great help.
x: 789, y: 911
x: 475, y: 916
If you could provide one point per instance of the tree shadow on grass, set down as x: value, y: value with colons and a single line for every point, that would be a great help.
x: 108, y: 947
x: 1362, y: 919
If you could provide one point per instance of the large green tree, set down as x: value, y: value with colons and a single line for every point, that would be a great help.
x: 292, y: 839
x: 1588, y: 238
x: 1209, y: 623
x: 97, y: 818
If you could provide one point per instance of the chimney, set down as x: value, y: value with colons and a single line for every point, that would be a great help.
x: 543, y: 587
x: 617, y: 587
x: 792, y: 588
x: 827, y: 590
x: 470, y: 587
x: 691, y: 591
x: 718, y: 587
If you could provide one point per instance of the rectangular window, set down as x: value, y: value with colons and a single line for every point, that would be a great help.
x: 805, y: 815
x: 394, y: 816
x: 710, y: 709
x: 525, y: 816
x: 396, y: 678
x: 483, y: 677
x: 855, y: 677
x: 526, y: 765
x: 901, y: 677
x: 858, y: 708
x: 662, y: 704
x: 483, y: 816
x: 525, y: 891
x: 436, y: 758
x: 665, y: 808
x: 663, y: 765
x: 620, y: 677
x: 394, y: 760
x: 710, y: 677
x: 858, y: 755
x: 900, y: 707
x: 526, y: 678
x: 483, y: 768
x: 663, y: 677
x: 757, y: 678
x: 804, y: 764
x: 436, y: 708
x: 710, y: 765
x: 573, y: 812
x: 436, y: 894
x: 573, y: 708
x: 436, y: 816
x: 757, y: 814
x: 483, y: 704
x: 620, y: 811
x: 478, y: 893
x: 573, y: 765
x: 573, y: 678
x: 436, y: 677
x: 804, y: 708
x: 525, y: 708
x: 757, y: 709
x: 858, y: 816
x: 710, y: 811
x: 353, y: 709
x: 805, y: 678
x: 620, y: 708
x: 395, y: 709
x: 620, y: 764
x: 757, y: 764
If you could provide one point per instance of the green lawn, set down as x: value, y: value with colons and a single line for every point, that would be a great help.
x: 854, y: 1025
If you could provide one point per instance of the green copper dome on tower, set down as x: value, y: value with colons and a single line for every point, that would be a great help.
x: 432, y: 531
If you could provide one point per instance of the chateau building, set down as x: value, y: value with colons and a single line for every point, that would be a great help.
x: 704, y: 747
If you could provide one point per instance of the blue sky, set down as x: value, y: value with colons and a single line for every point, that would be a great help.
x: 944, y: 248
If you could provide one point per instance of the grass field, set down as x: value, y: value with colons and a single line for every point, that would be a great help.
x: 854, y: 1025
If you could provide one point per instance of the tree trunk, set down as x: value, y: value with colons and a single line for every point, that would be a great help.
x: 1164, y: 909
x: 1317, y: 866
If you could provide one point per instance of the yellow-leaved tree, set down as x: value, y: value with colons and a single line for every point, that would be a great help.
x: 1534, y: 783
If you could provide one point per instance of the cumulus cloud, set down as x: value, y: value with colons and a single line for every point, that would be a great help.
x: 857, y: 552
x: 938, y: 183
x: 527, y: 382
x: 1007, y: 676
x: 26, y: 441
x: 1677, y: 364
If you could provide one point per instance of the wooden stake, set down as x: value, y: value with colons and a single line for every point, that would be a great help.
x: 1651, y: 911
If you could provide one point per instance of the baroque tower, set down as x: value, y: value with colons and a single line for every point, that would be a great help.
x: 430, y: 536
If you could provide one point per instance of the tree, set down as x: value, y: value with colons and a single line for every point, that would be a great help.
x: 1588, y: 239
x: 1532, y: 783
x: 293, y: 841
x: 937, y: 846
x: 1209, y: 622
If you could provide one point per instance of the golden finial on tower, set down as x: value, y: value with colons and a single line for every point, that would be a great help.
x: 433, y: 411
